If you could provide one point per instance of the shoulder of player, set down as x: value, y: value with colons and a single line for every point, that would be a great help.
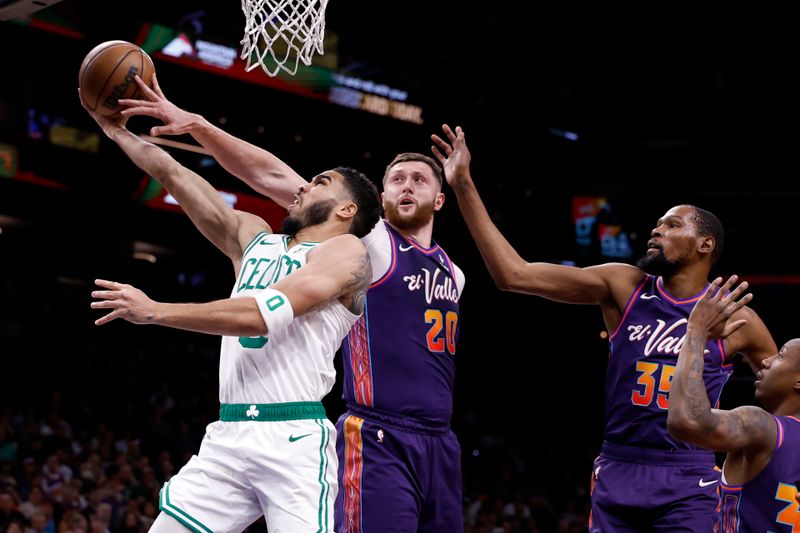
x: 755, y: 331
x: 377, y: 235
x: 746, y: 313
x: 250, y: 227
x: 621, y: 280
x: 758, y: 427
x: 620, y: 275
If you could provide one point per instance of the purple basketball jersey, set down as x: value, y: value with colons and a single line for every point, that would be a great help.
x: 642, y: 357
x: 767, y: 502
x: 399, y: 358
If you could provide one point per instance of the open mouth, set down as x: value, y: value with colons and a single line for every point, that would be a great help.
x: 653, y: 247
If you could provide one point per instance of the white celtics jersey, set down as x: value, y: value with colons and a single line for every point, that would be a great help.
x: 292, y: 365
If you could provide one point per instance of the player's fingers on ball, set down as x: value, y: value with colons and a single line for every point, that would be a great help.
x: 156, y: 86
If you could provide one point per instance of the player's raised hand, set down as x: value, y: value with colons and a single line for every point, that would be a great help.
x: 176, y: 120
x: 712, y: 312
x: 125, y: 301
x: 453, y: 154
x: 110, y: 124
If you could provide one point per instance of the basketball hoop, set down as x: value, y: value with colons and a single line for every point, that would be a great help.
x: 278, y: 34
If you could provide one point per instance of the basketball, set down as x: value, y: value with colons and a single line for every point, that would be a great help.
x: 107, y: 75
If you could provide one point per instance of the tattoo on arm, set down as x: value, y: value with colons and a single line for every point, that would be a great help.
x: 696, y: 393
x: 359, y: 281
x: 748, y: 424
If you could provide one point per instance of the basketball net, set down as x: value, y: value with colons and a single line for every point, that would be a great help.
x: 278, y: 34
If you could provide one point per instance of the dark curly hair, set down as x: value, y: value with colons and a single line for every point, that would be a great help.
x: 366, y: 197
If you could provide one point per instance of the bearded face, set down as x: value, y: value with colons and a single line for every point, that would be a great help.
x: 657, y: 264
x: 314, y: 214
x: 405, y: 215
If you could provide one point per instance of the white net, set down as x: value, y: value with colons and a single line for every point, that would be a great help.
x: 279, y: 34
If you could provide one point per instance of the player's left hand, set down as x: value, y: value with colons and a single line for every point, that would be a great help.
x: 176, y: 121
x: 125, y: 301
x: 718, y: 304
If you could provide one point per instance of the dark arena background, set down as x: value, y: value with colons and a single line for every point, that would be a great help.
x: 585, y: 122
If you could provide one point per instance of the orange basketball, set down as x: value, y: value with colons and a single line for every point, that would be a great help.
x: 107, y: 75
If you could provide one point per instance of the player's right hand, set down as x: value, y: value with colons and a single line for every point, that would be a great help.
x: 110, y: 124
x: 712, y: 312
x: 176, y: 120
x: 125, y: 301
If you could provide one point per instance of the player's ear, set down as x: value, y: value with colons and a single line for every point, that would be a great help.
x: 707, y: 244
x: 438, y: 202
x: 347, y: 209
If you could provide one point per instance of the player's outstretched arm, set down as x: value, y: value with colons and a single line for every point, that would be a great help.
x: 257, y: 167
x: 234, y: 316
x: 690, y: 416
x: 227, y: 228
x: 592, y: 285
x: 337, y: 269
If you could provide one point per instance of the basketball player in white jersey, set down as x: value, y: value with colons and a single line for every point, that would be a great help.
x: 296, y: 297
x: 399, y: 359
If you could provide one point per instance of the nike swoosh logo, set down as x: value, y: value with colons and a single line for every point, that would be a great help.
x: 292, y: 438
x: 267, y: 243
x: 649, y: 297
x: 707, y: 483
x: 405, y: 248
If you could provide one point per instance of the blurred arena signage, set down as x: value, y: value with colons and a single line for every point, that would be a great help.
x: 596, y: 228
x: 316, y: 82
x: 8, y: 160
x: 152, y: 194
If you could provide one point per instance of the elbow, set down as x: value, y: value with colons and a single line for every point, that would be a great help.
x: 681, y: 427
x: 514, y: 282
x: 508, y: 279
x: 256, y: 330
x: 255, y: 326
x: 504, y: 284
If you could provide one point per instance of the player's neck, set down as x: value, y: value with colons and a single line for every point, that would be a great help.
x: 422, y: 235
x: 685, y: 283
x: 319, y: 233
x: 790, y: 407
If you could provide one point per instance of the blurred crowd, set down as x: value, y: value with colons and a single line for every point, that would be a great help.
x: 74, y: 473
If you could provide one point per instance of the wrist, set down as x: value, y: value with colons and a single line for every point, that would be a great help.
x: 462, y: 182
x: 155, y: 314
x: 198, y: 124
x: 695, y: 331
x: 113, y: 130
